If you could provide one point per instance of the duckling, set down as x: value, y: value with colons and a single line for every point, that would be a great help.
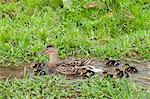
x: 107, y: 75
x: 129, y: 69
x: 120, y: 74
x: 39, y: 68
x: 67, y: 67
x: 87, y: 73
x: 112, y: 63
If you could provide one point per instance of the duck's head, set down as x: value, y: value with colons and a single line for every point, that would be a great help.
x: 106, y: 59
x: 83, y: 72
x: 105, y: 73
x: 33, y: 67
x: 117, y: 70
x: 126, y: 66
x: 36, y: 66
x: 50, y: 50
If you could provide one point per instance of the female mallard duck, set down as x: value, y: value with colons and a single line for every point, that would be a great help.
x: 130, y: 69
x: 69, y: 66
x: 107, y: 75
x: 112, y: 63
x: 119, y: 73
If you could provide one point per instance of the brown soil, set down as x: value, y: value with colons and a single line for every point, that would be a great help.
x: 142, y: 77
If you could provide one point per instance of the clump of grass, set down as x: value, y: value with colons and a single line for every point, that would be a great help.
x: 59, y: 87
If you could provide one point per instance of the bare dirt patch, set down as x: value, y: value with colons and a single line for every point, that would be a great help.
x: 142, y: 77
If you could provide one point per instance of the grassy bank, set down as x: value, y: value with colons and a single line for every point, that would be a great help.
x: 113, y: 28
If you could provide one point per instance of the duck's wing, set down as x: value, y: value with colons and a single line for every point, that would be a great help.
x: 74, y: 66
x: 94, y: 68
x: 68, y: 70
x: 72, y: 62
x: 85, y: 62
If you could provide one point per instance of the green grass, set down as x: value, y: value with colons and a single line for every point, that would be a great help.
x: 116, y: 28
x: 28, y: 26
x: 59, y: 87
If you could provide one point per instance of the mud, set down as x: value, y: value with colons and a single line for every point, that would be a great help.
x: 142, y: 77
x: 12, y: 71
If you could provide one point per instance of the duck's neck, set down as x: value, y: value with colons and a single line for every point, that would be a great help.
x: 53, y: 61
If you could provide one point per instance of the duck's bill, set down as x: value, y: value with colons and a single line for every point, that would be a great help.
x: 43, y: 52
